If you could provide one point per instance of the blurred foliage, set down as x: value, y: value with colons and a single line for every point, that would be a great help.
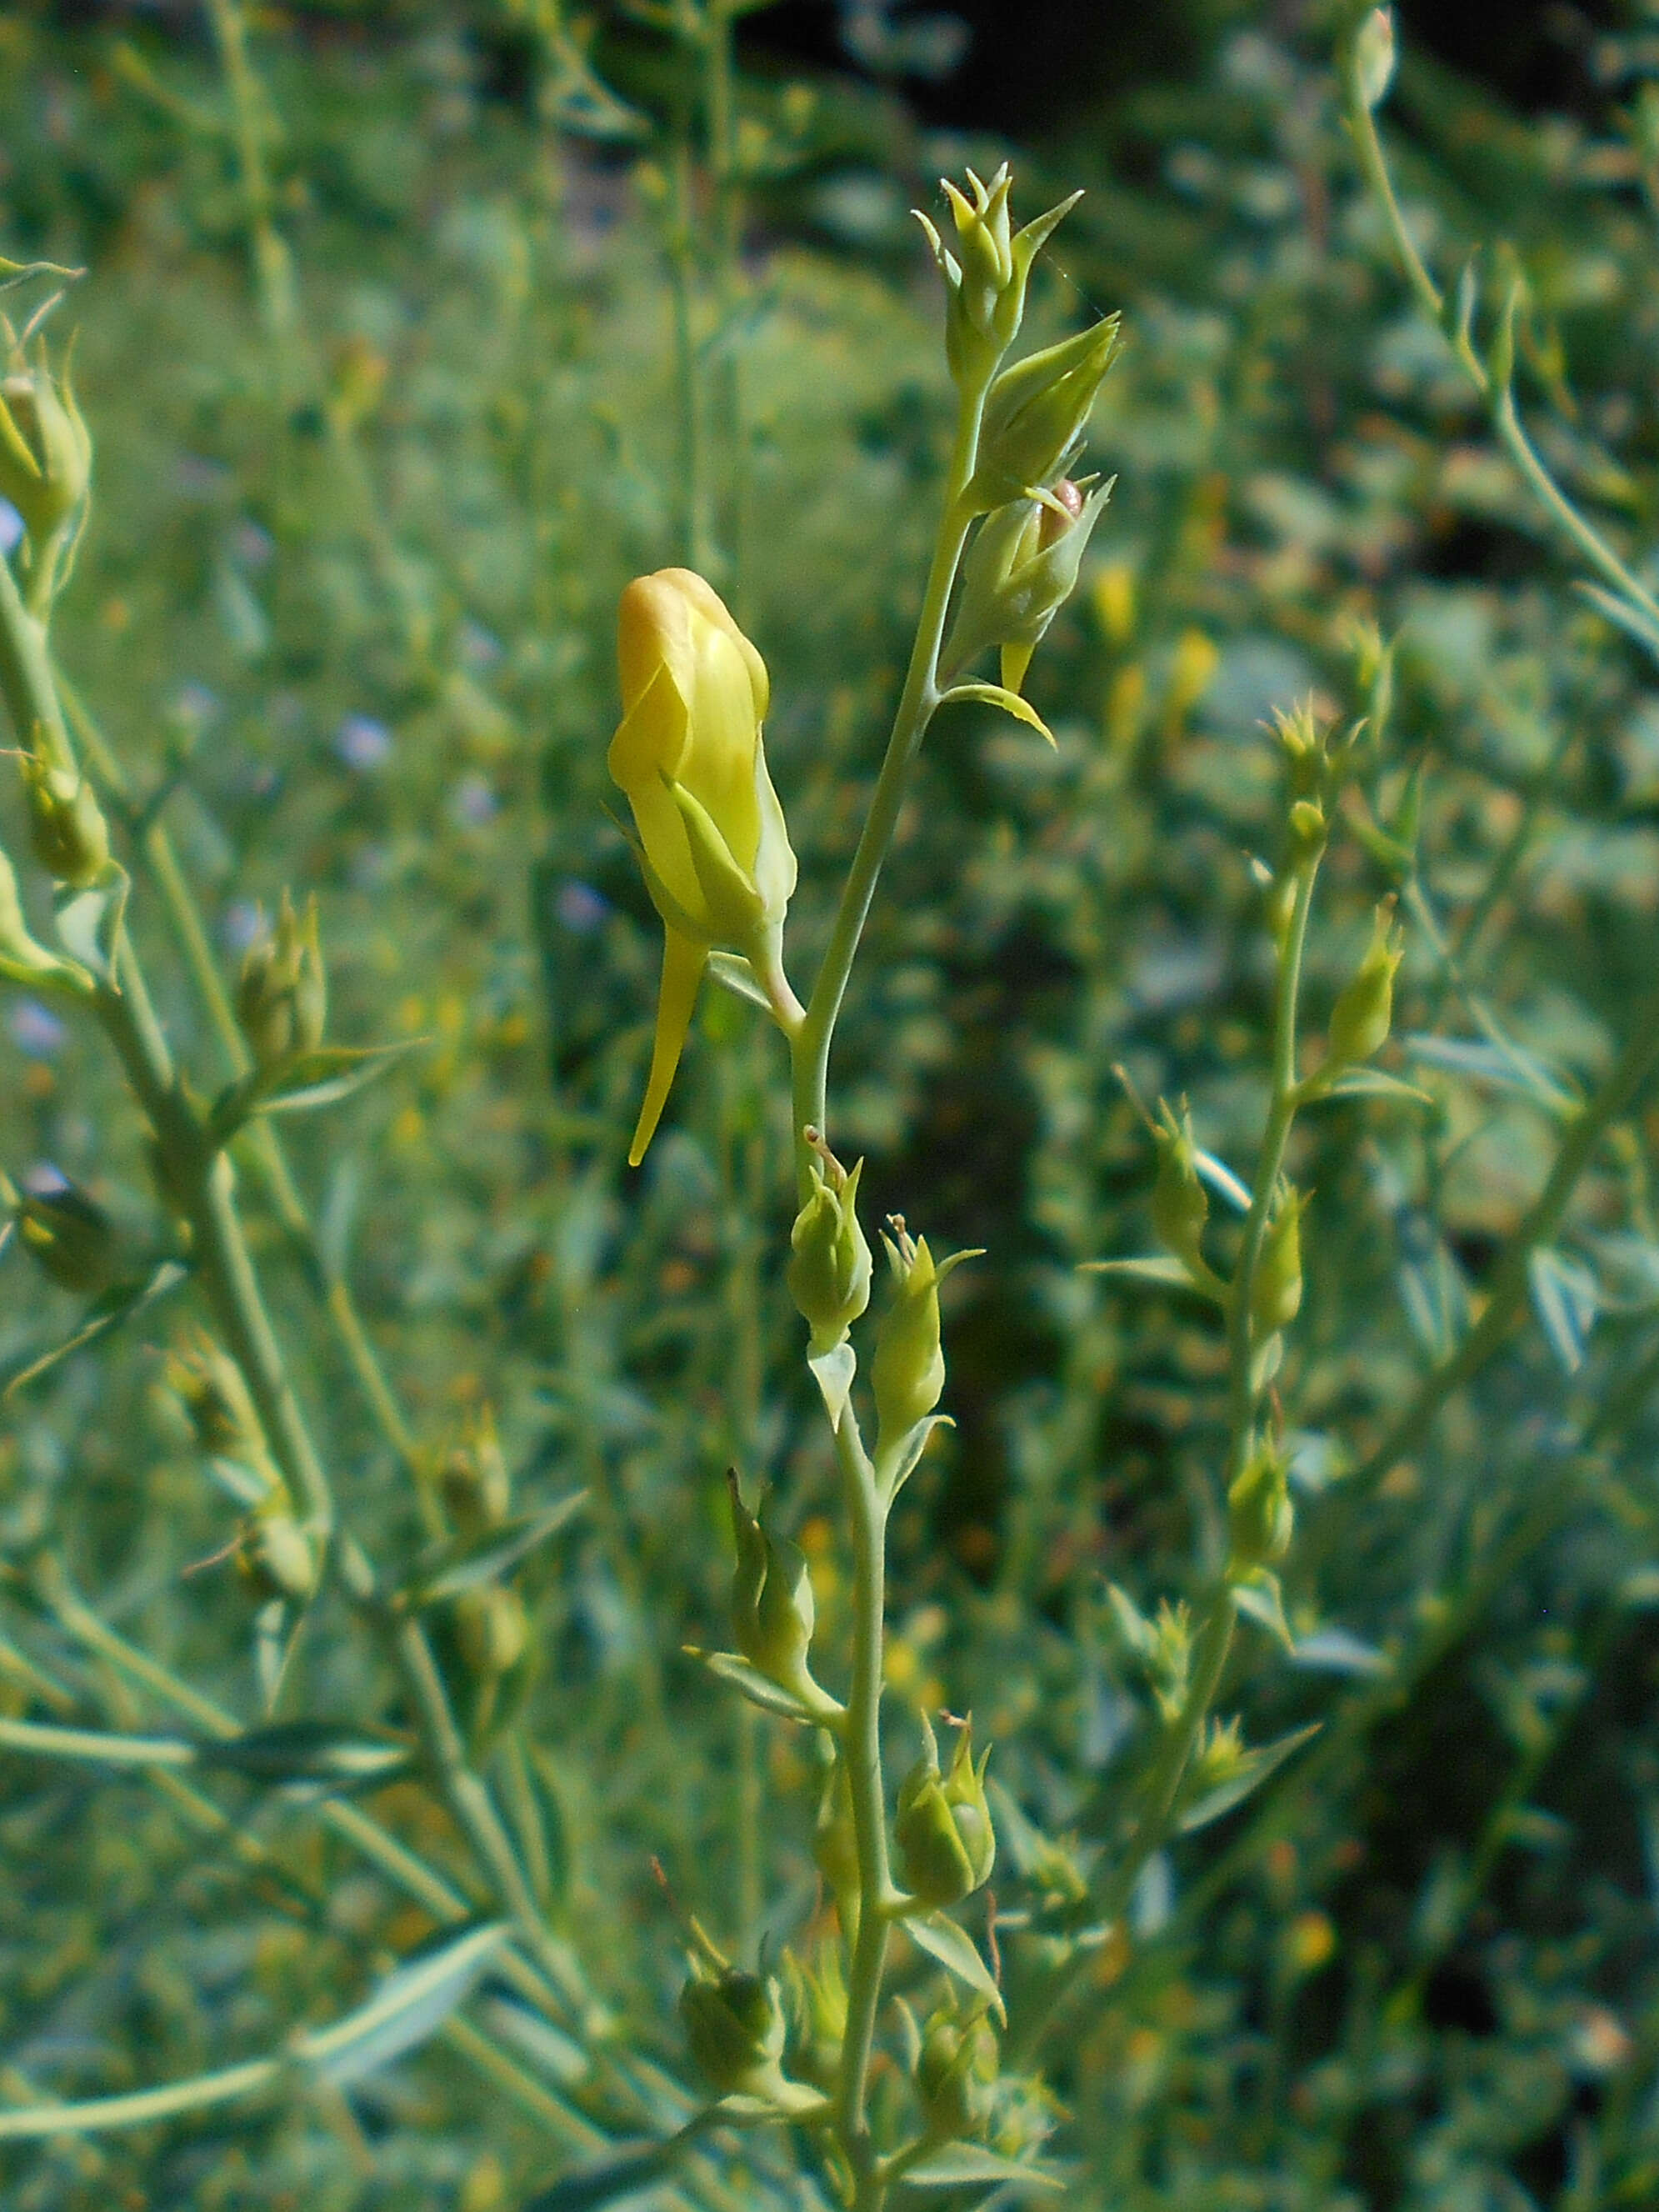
x: 353, y: 633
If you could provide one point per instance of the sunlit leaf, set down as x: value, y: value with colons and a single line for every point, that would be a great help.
x: 959, y: 2166
x: 486, y: 1557
x: 407, y: 2007
x: 957, y: 1952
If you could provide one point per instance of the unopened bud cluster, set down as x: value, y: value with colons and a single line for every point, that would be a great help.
x: 282, y: 1001
x: 66, y: 824
x: 909, y: 1374
x: 829, y: 1264
x: 45, y: 449
x: 947, y: 1843
x: 1020, y: 570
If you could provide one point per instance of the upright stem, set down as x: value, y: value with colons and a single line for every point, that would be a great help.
x: 862, y: 1750
x: 921, y: 695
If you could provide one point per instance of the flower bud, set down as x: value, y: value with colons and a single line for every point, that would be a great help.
x: 829, y: 1271
x: 476, y: 1488
x: 1036, y: 413
x: 491, y: 1630
x: 1361, y: 1018
x: 45, y: 450
x: 1181, y: 1205
x: 909, y: 1374
x: 1260, y: 1516
x: 66, y: 824
x: 276, y: 1558
x: 955, y: 2073
x: 1276, y: 1293
x: 772, y: 1607
x: 818, y: 2002
x: 835, y: 1843
x: 70, y: 1238
x: 216, y: 1398
x: 281, y: 1000
x: 987, y: 274
x: 943, y: 1825
x: 1020, y: 570
x: 735, y: 2029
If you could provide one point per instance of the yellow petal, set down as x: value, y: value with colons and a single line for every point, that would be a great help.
x: 717, y: 766
x: 1016, y: 659
x: 654, y: 734
x: 706, y: 602
x: 683, y: 964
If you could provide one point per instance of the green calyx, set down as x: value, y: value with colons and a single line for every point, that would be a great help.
x: 71, y: 1239
x: 281, y: 1000
x: 956, y: 2072
x: 45, y: 449
x: 1036, y: 413
x: 829, y: 1263
x: 985, y: 269
x: 734, y: 2028
x: 1276, y: 1292
x: 772, y: 1607
x: 1363, y: 1014
x: 942, y: 1825
x: 1260, y: 1516
x: 66, y: 824
x: 908, y: 1373
x: 1020, y: 570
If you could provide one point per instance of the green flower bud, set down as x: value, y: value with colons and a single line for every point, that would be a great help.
x: 281, y: 1000
x: 66, y: 824
x: 1181, y: 1205
x: 70, y: 1238
x: 955, y: 2073
x: 942, y: 1825
x: 1276, y: 1294
x: 828, y: 1272
x: 1020, y: 570
x: 276, y: 1558
x: 772, y: 1608
x: 1365, y: 1012
x: 476, y: 1488
x: 734, y: 2029
x: 45, y: 450
x: 909, y: 1374
x: 987, y: 274
x: 213, y: 1395
x: 1260, y: 1516
x: 1036, y: 413
x: 491, y: 1630
x: 1308, y: 828
x: 1374, y: 58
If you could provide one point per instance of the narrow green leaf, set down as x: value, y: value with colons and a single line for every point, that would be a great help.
x: 994, y: 695
x: 833, y: 1373
x: 88, y: 923
x: 1252, y: 1772
x: 959, y: 2164
x: 1154, y: 1269
x: 631, y: 2170
x: 1369, y: 1083
x: 408, y: 2007
x: 312, y: 1079
x: 760, y: 1691
x: 1634, y: 621
x: 117, y: 1304
x: 957, y: 1952
x: 484, y: 1559
x: 339, y: 1754
x: 1565, y: 1299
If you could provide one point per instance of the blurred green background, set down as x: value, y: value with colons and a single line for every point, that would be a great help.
x: 345, y: 609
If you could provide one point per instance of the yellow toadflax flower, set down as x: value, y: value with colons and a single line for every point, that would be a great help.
x: 712, y: 842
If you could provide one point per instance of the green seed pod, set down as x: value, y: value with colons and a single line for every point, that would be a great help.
x: 72, y: 1240
x: 954, y: 2073
x: 1181, y: 1205
x: 908, y: 1371
x: 492, y: 1629
x: 277, y: 1556
x: 1276, y: 1294
x: 475, y: 1485
x: 943, y: 1825
x: 829, y: 1265
x: 281, y: 1000
x: 772, y: 1607
x: 45, y: 450
x: 1363, y: 1014
x: 1020, y: 570
x: 1036, y: 413
x: 734, y: 2029
x: 1260, y: 1516
x: 66, y: 824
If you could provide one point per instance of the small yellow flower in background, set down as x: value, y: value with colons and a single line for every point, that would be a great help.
x: 713, y: 845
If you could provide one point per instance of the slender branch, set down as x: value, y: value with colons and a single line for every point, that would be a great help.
x: 811, y: 1044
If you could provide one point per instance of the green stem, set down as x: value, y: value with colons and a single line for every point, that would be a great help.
x: 860, y: 1743
x: 809, y: 1047
x: 1499, y: 398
